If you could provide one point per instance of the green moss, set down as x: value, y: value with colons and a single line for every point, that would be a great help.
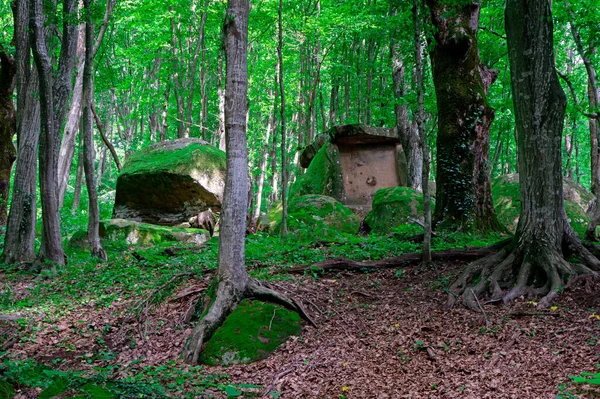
x: 324, y: 176
x: 318, y: 216
x: 134, y: 233
x: 180, y: 160
x: 507, y: 203
x: 392, y: 207
x: 252, y: 331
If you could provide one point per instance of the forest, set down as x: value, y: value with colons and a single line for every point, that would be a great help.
x: 299, y: 199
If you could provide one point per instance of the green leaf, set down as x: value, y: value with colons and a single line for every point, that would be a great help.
x: 232, y: 392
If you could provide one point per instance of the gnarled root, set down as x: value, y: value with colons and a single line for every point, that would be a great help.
x: 227, y: 298
x: 531, y: 270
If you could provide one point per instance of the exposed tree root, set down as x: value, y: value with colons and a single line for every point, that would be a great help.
x: 531, y: 269
x: 400, y: 261
x: 227, y: 298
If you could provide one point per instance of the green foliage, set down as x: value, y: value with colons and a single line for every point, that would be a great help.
x: 587, y: 384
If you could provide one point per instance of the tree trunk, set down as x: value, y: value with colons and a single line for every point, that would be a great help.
x: 54, y: 92
x: 191, y: 78
x: 220, y: 136
x: 8, y: 128
x: 69, y: 139
x: 87, y: 131
x: 463, y: 197
x: 284, y: 166
x: 535, y: 263
x: 20, y: 230
x: 234, y: 283
x: 407, y: 132
x: 422, y: 136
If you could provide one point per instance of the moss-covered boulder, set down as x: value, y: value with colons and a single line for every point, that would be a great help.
x: 324, y: 175
x: 392, y: 207
x: 252, y: 331
x: 507, y: 202
x: 135, y: 233
x: 169, y: 182
x: 318, y: 216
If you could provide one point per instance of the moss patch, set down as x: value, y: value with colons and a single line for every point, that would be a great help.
x: 318, y: 216
x: 507, y: 202
x: 174, y: 159
x: 324, y: 176
x: 252, y: 331
x: 392, y: 207
x: 134, y: 233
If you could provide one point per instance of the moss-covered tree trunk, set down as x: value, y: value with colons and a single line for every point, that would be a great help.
x: 234, y: 283
x: 535, y: 263
x: 464, y: 117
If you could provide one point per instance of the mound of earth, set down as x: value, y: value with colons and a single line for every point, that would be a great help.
x: 250, y: 333
x: 392, y: 207
x: 313, y: 214
x: 507, y: 202
x: 169, y: 182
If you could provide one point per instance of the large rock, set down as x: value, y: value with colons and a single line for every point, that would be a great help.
x: 169, y: 182
x: 350, y: 163
x: 316, y: 216
x: 507, y: 202
x: 135, y: 233
x: 392, y: 207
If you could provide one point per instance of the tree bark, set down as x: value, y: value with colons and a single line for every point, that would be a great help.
x: 20, y: 230
x: 463, y: 199
x: 535, y: 263
x: 8, y: 128
x: 69, y: 139
x: 87, y: 131
x: 407, y: 132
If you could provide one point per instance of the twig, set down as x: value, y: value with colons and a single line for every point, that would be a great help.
x: 363, y: 294
x: 480, y: 307
x: 272, y: 318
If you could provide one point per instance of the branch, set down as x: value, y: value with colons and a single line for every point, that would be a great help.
x: 574, y: 95
x: 111, y: 148
x: 401, y: 261
x: 110, y: 6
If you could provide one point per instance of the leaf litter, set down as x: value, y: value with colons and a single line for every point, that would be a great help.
x: 381, y: 335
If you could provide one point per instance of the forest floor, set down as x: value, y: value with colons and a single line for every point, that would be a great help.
x: 383, y: 334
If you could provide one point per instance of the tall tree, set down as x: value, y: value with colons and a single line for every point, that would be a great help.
x: 234, y: 283
x: 54, y: 90
x: 535, y: 262
x: 20, y: 231
x: 284, y: 164
x: 422, y: 136
x: 87, y: 132
x: 464, y: 197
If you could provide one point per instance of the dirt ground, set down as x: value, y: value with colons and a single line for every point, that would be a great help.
x: 380, y: 335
